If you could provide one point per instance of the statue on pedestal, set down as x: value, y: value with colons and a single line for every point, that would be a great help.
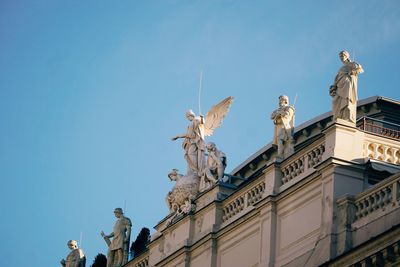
x: 344, y: 89
x: 283, y: 118
x: 118, y: 248
x: 76, y: 258
x: 214, y: 170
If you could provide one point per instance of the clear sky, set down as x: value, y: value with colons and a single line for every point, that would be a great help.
x: 91, y: 92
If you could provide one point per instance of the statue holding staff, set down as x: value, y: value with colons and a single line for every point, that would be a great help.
x: 283, y: 118
x: 118, y: 248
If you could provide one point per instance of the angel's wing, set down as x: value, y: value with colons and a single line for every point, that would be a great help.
x: 215, y: 115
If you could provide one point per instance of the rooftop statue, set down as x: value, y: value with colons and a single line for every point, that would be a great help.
x: 118, y: 248
x: 344, y: 89
x: 180, y: 198
x: 76, y: 258
x: 215, y: 167
x: 199, y: 127
x: 283, y: 118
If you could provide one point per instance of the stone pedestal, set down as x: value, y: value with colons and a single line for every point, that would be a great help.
x: 344, y: 141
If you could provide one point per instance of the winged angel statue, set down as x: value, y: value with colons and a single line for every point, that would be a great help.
x: 199, y: 127
x: 180, y: 198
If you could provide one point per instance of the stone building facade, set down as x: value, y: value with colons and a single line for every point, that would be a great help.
x: 334, y: 202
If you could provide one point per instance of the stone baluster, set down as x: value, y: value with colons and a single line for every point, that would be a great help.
x: 395, y: 192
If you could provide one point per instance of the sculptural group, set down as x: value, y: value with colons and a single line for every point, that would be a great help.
x: 201, y: 172
x: 206, y: 163
x: 204, y: 170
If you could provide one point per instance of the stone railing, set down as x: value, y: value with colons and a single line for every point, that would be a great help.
x: 255, y: 193
x: 388, y: 152
x: 379, y: 127
x: 315, y: 156
x: 388, y: 256
x: 140, y: 261
x: 380, y: 196
x: 293, y: 169
x: 244, y: 200
x: 302, y: 163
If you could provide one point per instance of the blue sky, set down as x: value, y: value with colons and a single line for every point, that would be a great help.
x: 92, y: 91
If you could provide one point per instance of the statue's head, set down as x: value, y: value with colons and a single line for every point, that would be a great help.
x: 283, y: 100
x: 211, y: 146
x: 72, y: 244
x: 190, y: 114
x: 173, y: 174
x: 344, y: 56
x: 118, y: 212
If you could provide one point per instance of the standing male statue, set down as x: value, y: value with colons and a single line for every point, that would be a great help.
x: 76, y: 258
x: 193, y: 144
x: 344, y: 89
x: 283, y: 118
x: 118, y: 248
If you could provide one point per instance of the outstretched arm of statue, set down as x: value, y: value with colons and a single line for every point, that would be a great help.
x: 178, y: 136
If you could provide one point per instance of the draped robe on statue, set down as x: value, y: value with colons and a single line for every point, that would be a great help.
x: 75, y: 258
x: 194, y: 146
x: 344, y: 105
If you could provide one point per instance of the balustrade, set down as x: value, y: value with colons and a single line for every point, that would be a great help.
x: 255, y: 194
x: 379, y: 127
x: 377, y: 198
x: 299, y: 165
x: 248, y: 198
x: 141, y: 261
x: 315, y: 155
x: 384, y: 152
